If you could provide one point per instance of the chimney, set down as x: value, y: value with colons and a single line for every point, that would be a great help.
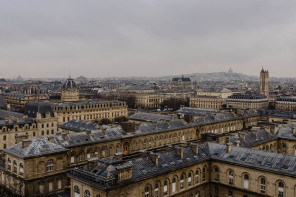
x: 26, y: 143
x: 189, y: 118
x: 155, y: 124
x: 242, y: 135
x: 227, y: 139
x: 228, y: 148
x: 47, y: 115
x: 255, y: 133
x: 119, y: 155
x: 267, y: 129
x: 237, y: 143
x: 38, y: 115
x: 50, y: 139
x: 180, y: 151
x: 88, y: 133
x: 154, y: 157
x: 104, y: 130
x: 64, y: 136
x: 168, y: 122
x: 194, y: 147
x: 128, y: 126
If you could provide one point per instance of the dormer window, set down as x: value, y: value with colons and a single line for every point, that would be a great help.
x: 9, y: 164
x: 49, y: 166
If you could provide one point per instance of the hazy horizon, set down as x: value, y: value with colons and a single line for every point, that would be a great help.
x: 137, y: 38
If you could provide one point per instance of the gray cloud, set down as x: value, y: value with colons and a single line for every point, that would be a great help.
x: 146, y: 38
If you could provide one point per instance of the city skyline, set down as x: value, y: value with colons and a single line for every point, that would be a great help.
x: 138, y: 38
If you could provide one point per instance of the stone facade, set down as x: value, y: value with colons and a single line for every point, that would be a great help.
x: 207, y: 102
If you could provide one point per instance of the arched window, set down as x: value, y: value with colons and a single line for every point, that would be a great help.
x: 96, y: 153
x: 49, y: 165
x: 230, y: 177
x: 14, y: 166
x: 117, y: 148
x: 204, y: 174
x: 197, y: 194
x: 147, y: 192
x: 72, y: 157
x: 98, y: 195
x: 189, y: 179
x: 246, y: 181
x: 80, y: 157
x: 281, y: 189
x: 216, y: 174
x: 76, y: 191
x: 174, y: 185
x: 88, y: 154
x: 196, y: 176
x: 103, y: 152
x: 165, y: 188
x: 110, y: 150
x: 86, y: 193
x: 145, y: 143
x: 182, y: 182
x: 21, y: 169
x: 8, y: 164
x: 156, y: 190
x: 262, y: 185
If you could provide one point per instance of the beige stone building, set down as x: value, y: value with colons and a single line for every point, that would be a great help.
x: 207, y: 102
x: 90, y: 110
x: 69, y: 91
x: 247, y: 101
x: 208, y: 169
x: 286, y: 103
x: 220, y: 92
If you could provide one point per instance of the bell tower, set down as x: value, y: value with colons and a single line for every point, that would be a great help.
x: 264, y: 83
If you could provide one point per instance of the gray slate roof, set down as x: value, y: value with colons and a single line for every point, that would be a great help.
x: 142, y: 116
x: 37, y: 147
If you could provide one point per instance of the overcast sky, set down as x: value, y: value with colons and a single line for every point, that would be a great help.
x: 109, y: 38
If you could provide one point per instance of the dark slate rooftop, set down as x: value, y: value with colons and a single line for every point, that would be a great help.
x: 105, y: 174
x: 86, y: 103
x: 277, y: 113
x: 69, y: 84
x: 247, y: 96
x: 196, y: 111
x: 36, y: 147
x: 6, y: 114
x: 38, y: 107
x: 142, y: 116
x: 3, y: 103
x: 79, y: 125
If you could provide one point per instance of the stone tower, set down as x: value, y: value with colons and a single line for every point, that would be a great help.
x: 264, y: 82
x: 69, y: 91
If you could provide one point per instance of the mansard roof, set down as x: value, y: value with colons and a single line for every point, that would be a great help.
x: 142, y: 116
x: 79, y: 125
x: 35, y: 147
x: 69, y: 84
x: 105, y: 174
x: 38, y: 107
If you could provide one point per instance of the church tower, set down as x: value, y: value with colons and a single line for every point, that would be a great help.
x: 264, y: 82
x: 70, y: 92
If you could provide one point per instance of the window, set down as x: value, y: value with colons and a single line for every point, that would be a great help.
x: 72, y: 157
x: 117, y: 148
x: 182, y: 182
x: 216, y: 192
x: 281, y: 189
x: 230, y: 193
x: 147, y: 192
x: 204, y: 174
x: 80, y: 156
x: 110, y: 151
x: 9, y: 164
x: 49, y: 166
x: 21, y: 169
x: 41, y: 188
x: 76, y: 191
x: 103, y: 152
x: 50, y: 186
x: 165, y: 188
x: 96, y: 153
x: 189, y: 179
x: 196, y: 176
x: 156, y: 190
x: 246, y: 181
x: 88, y: 154
x: 174, y: 185
x: 197, y: 194
x: 4, y: 137
x: 14, y: 166
x: 230, y: 177
x: 59, y: 184
x: 216, y: 174
x: 262, y: 185
x: 87, y: 193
